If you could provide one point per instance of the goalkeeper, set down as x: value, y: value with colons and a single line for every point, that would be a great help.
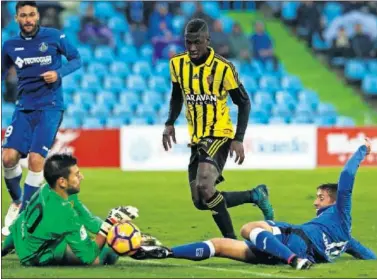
x: 53, y: 230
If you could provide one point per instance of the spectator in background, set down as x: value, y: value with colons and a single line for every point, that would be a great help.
x: 220, y: 40
x: 261, y: 45
x: 239, y: 44
x: 160, y: 21
x: 361, y: 43
x: 199, y: 13
x: 341, y: 44
x: 93, y: 31
x: 309, y: 18
x: 349, y: 6
x: 51, y: 18
x: 139, y: 34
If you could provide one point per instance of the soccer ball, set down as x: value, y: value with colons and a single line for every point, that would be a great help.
x: 124, y: 239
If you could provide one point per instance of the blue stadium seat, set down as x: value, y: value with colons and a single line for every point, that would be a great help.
x: 84, y: 99
x: 114, y: 84
x: 142, y: 68
x: 338, y: 61
x: 162, y: 68
x: 136, y: 83
x: 76, y: 111
x: 332, y: 10
x: 269, y: 83
x: 227, y: 23
x: 277, y: 120
x: 271, y: 69
x: 282, y: 110
x: 129, y: 99
x: 104, y: 54
x: 99, y: 111
x: 103, y: 10
x: 152, y: 99
x: 289, y: 10
x: 78, y: 74
x: 70, y: 84
x: 146, y: 52
x: 188, y: 9
x: 118, y: 24
x: 308, y: 97
x: 70, y: 123
x: 256, y: 69
x: 325, y: 121
x: 258, y: 115
x: 125, y: 113
x: 98, y: 69
x: 68, y: 99
x: 107, y: 99
x: 91, y: 82
x: 119, y: 69
x: 326, y: 109
x: 264, y: 100
x: 369, y: 85
x: 344, y: 121
x: 178, y: 24
x: 114, y: 122
x: 7, y: 109
x: 212, y: 8
x: 304, y: 110
x: 250, y: 84
x: 301, y: 119
x: 141, y: 120
x: 86, y: 54
x: 372, y: 66
x: 158, y: 84
x: 128, y: 54
x: 72, y: 22
x: 291, y: 83
x: 319, y: 44
x: 284, y: 98
x: 145, y: 110
x: 92, y: 123
x: 355, y: 70
x: 5, y: 121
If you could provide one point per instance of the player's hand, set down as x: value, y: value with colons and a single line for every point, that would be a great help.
x: 123, y: 214
x: 237, y: 147
x: 167, y: 135
x: 368, y: 145
x: 50, y: 76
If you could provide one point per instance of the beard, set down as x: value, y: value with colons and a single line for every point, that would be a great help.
x: 33, y: 30
x: 71, y: 190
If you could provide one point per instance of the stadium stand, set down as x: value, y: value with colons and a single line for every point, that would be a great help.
x: 125, y: 84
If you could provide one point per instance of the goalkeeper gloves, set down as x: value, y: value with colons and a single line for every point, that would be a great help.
x: 120, y: 214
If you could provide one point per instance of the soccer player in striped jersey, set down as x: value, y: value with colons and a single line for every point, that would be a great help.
x: 203, y: 81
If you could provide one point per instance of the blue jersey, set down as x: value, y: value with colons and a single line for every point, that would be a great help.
x: 330, y: 231
x: 33, y: 56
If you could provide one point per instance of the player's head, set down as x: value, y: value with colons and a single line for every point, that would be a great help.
x: 62, y: 173
x: 27, y: 16
x: 326, y: 195
x: 197, y: 38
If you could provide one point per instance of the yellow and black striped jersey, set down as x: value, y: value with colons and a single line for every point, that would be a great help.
x: 205, y: 90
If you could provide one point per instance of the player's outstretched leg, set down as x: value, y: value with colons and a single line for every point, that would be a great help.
x: 258, y: 196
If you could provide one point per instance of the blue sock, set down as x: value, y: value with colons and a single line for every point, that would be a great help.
x: 32, y: 183
x: 266, y: 241
x: 12, y: 177
x: 196, y: 251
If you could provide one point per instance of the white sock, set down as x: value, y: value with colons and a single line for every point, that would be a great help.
x: 254, y: 234
x: 211, y: 248
x: 34, y: 179
x: 12, y: 172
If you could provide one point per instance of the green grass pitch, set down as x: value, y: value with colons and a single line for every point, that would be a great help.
x: 166, y: 211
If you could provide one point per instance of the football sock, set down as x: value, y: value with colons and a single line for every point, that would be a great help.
x: 266, y: 241
x: 196, y: 251
x: 220, y: 214
x: 7, y: 245
x: 32, y: 183
x: 108, y: 256
x: 12, y: 177
x: 237, y: 198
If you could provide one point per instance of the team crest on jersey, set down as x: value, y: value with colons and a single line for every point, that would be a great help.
x: 43, y: 47
x: 210, y: 79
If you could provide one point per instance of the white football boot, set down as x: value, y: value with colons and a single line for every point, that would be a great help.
x: 12, y: 214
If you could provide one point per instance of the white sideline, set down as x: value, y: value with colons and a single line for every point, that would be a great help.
x: 261, y: 274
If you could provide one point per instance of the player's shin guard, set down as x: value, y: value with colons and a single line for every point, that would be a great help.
x: 220, y: 214
x: 12, y: 177
x: 237, y: 198
x: 266, y: 241
x: 32, y: 183
x: 196, y: 251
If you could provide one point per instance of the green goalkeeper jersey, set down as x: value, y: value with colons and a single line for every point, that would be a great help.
x: 49, y: 221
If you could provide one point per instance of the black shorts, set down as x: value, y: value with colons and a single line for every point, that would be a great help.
x: 209, y: 150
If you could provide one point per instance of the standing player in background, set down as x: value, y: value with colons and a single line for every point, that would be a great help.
x: 52, y: 230
x: 203, y: 80
x: 37, y: 55
x: 321, y: 240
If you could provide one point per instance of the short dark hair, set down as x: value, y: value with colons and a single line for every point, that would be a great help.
x: 21, y: 4
x: 56, y: 166
x: 331, y: 188
x: 197, y: 25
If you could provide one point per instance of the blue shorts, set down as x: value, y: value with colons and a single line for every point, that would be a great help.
x: 33, y: 131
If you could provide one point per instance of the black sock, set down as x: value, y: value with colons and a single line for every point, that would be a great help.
x: 220, y: 214
x: 237, y: 198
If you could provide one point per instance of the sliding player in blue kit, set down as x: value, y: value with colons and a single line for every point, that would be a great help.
x: 321, y: 240
x: 36, y: 52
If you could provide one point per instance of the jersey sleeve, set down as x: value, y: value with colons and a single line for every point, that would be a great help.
x: 6, y: 62
x: 173, y: 72
x: 231, y: 78
x: 79, y: 241
x: 92, y: 223
x: 71, y: 53
x: 345, y: 184
x: 357, y: 250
